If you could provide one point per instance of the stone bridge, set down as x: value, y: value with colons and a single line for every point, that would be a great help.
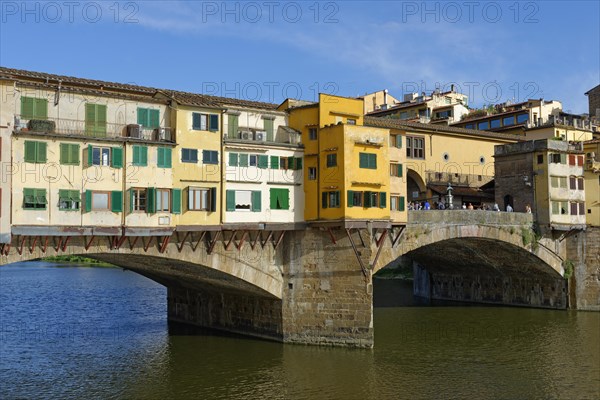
x: 313, y: 283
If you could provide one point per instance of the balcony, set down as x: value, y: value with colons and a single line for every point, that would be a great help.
x: 284, y: 135
x: 72, y: 127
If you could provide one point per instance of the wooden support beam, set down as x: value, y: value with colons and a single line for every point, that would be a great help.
x: 45, y: 246
x: 396, y: 239
x: 202, y: 234
x: 278, y: 242
x: 213, y: 242
x: 180, y: 243
x: 231, y: 238
x: 269, y: 236
x: 256, y: 238
x: 163, y: 245
x: 147, y: 245
x: 56, y: 246
x: 20, y: 244
x: 241, y: 242
x: 120, y: 241
x: 362, y: 242
x: 88, y: 244
x: 5, y: 249
x: 65, y: 243
x: 132, y: 245
x: 357, y: 253
x: 380, y: 243
x: 332, y: 236
x: 32, y: 246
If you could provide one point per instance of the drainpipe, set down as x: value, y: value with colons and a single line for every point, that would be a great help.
x: 124, y: 186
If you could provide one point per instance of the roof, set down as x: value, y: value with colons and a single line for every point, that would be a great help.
x: 188, y: 98
x: 592, y: 89
x: 461, y: 191
x: 400, y: 124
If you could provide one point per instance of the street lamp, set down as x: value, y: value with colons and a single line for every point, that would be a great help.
x: 449, y: 190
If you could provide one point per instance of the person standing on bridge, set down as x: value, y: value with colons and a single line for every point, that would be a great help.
x: 509, y: 208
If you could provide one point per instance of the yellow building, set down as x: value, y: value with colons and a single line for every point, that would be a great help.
x: 6, y: 168
x: 592, y: 181
x: 347, y: 164
x: 437, y: 155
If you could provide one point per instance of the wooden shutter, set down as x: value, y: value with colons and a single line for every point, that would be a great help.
x: 400, y: 170
x: 153, y: 119
x: 88, y: 200
x: 230, y: 200
x: 142, y: 116
x: 232, y: 126
x: 290, y: 163
x: 243, y: 160
x: 41, y: 152
x: 256, y: 200
x: 233, y: 159
x: 116, y: 201
x: 117, y: 157
x: 324, y: 200
x: 130, y: 193
x: 64, y: 153
x: 40, y: 109
x: 30, y: 151
x: 27, y: 107
x: 213, y: 123
x: 268, y: 125
x: 136, y: 155
x: 273, y: 199
x: 196, y: 121
x: 144, y: 155
x: 90, y: 155
x: 363, y: 161
x: 213, y: 199
x: 367, y: 199
x: 284, y: 197
x: 401, y: 203
x: 263, y: 161
x: 299, y: 163
x: 350, y: 200
x: 151, y: 200
x: 274, y: 162
x: 382, y: 199
x: 176, y: 207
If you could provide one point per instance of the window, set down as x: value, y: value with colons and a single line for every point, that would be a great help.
x: 243, y: 160
x: 100, y: 201
x: 397, y: 141
x: 415, y: 147
x: 522, y: 118
x: 103, y: 201
x: 470, y: 126
x: 580, y: 161
x: 163, y: 197
x: 355, y: 198
x: 233, y: 125
x: 312, y: 173
x: 507, y: 121
x: 483, y: 125
x: 580, y: 181
x: 69, y: 200
x: 35, y: 152
x: 559, y: 207
x: 397, y: 203
x: 253, y: 160
x: 189, y: 155
x: 34, y: 199
x: 558, y: 182
x: 396, y: 170
x: 233, y: 159
x: 243, y: 200
x: 34, y: 108
x: 164, y: 157
x: 210, y: 157
x: 367, y: 160
x: 294, y: 163
x: 331, y: 160
x: 138, y: 199
x: 274, y: 162
x: 148, y: 118
x: 95, y: 119
x: 205, y: 122
x: 312, y: 133
x: 576, y: 183
x: 140, y: 155
x: 202, y: 199
x: 540, y: 159
x: 280, y: 199
x: 351, y: 121
x: 495, y: 123
x: 263, y: 161
x: 572, y: 159
x: 101, y: 156
x: 268, y: 127
x: 557, y: 158
x: 330, y: 199
x: 69, y: 154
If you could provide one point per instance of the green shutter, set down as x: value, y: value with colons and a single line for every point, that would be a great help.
x: 41, y: 152
x: 30, y: 151
x: 324, y: 200
x: 350, y: 200
x: 213, y: 123
x: 373, y: 161
x: 233, y: 159
x: 88, y: 200
x: 367, y: 199
x: 140, y: 155
x: 40, y: 109
x: 90, y: 154
x: 130, y: 194
x: 142, y: 116
x: 27, y: 107
x: 273, y: 198
x: 64, y: 153
x: 290, y: 163
x: 400, y: 170
x: 168, y: 154
x: 116, y: 201
x: 164, y: 157
x: 401, y: 203
x: 95, y: 119
x: 298, y: 163
x: 243, y: 160
x: 230, y: 200
x: 136, y: 155
x: 263, y: 161
x: 285, y: 198
x: 399, y: 141
x: 268, y: 124
x: 362, y: 160
x: 151, y: 200
x: 90, y: 118
x: 563, y: 158
x: 153, y: 119
x: 101, y: 120
x: 213, y: 199
x: 274, y: 162
x: 382, y: 199
x: 176, y: 208
x: 232, y: 126
x: 256, y: 200
x: 117, y: 157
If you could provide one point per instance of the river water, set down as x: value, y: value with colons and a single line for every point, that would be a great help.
x: 102, y: 333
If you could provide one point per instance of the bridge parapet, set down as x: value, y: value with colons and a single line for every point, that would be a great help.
x: 469, y: 217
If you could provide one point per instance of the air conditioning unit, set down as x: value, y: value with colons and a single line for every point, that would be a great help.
x: 162, y: 134
x: 260, y: 136
x: 134, y: 131
x: 246, y: 135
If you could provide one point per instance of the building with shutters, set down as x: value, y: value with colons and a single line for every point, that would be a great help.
x: 347, y: 164
x: 263, y: 167
x: 87, y: 154
x: 592, y: 181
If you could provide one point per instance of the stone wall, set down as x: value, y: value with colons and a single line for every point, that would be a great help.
x: 327, y: 299
x: 583, y: 250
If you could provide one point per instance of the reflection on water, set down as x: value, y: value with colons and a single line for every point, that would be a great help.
x: 102, y: 333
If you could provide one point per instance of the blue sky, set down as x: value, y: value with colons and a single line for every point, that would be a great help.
x: 270, y: 50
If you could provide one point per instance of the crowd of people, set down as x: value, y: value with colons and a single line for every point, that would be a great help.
x: 425, y: 205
